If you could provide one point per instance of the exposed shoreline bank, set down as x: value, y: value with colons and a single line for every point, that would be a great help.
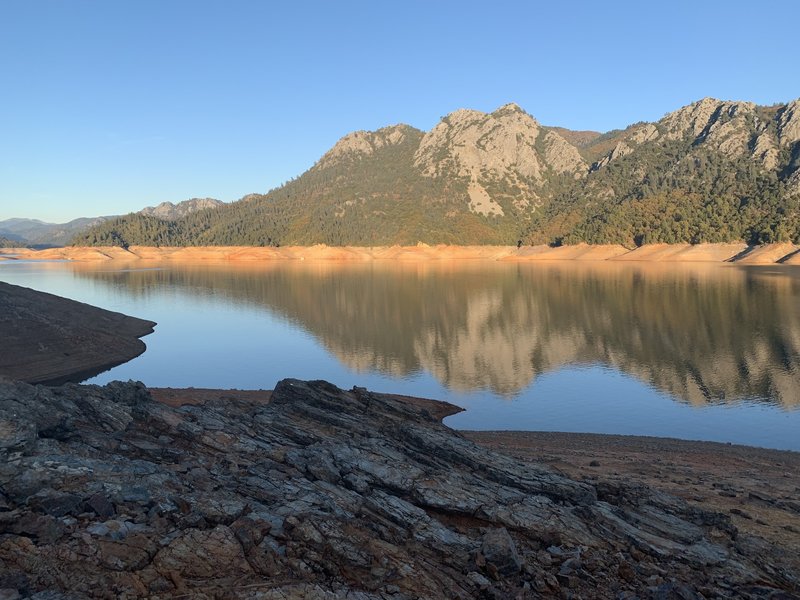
x: 755, y: 486
x: 739, y: 253
x: 52, y: 340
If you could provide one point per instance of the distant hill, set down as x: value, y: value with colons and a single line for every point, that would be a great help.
x: 32, y: 232
x: 170, y: 212
x: 711, y: 171
x: 7, y: 243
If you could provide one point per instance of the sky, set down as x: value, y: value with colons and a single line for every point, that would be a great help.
x: 110, y: 106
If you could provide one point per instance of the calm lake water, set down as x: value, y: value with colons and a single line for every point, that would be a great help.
x: 697, y: 352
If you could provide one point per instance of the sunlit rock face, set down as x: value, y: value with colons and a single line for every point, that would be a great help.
x: 364, y: 143
x: 506, y: 145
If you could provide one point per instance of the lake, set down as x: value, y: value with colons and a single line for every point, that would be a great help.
x: 708, y: 352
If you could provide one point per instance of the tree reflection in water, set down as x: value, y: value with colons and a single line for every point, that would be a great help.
x: 702, y: 333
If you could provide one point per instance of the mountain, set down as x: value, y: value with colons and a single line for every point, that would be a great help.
x: 170, y: 212
x: 32, y: 232
x: 7, y: 243
x: 711, y: 171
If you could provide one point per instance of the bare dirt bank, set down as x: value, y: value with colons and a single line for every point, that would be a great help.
x: 757, y: 487
x: 48, y: 339
x: 785, y: 253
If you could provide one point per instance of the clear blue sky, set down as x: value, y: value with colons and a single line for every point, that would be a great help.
x: 110, y: 106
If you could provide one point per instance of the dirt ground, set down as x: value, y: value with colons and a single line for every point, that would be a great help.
x: 757, y: 487
x: 765, y: 254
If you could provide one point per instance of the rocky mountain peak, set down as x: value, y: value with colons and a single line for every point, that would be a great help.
x: 699, y: 116
x: 463, y: 115
x: 507, y: 144
x: 727, y: 126
x: 473, y: 144
x: 511, y: 107
x: 789, y: 123
x: 364, y: 143
x: 170, y: 211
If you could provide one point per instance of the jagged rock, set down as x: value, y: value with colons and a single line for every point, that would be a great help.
x: 499, y: 551
x: 200, y: 554
x: 695, y: 119
x: 130, y: 554
x: 789, y: 123
x: 766, y: 151
x: 724, y: 125
x: 172, y: 212
x: 561, y: 156
x: 324, y: 493
x: 505, y: 145
x: 620, y: 150
x: 480, y: 201
x: 644, y: 133
x: 100, y: 505
x: 467, y: 142
x: 364, y: 143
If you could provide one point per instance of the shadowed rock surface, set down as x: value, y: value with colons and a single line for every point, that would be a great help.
x: 329, y: 494
x: 48, y: 339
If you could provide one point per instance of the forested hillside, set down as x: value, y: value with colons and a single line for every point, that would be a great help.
x: 709, y: 172
x: 7, y: 243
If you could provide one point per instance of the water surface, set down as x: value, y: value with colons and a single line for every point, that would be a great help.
x: 698, y: 352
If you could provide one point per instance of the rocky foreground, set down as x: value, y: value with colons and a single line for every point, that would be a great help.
x: 323, y: 493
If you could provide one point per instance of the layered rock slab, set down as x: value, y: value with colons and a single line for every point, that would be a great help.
x: 324, y: 493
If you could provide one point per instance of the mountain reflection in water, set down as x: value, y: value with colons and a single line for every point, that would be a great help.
x: 702, y: 333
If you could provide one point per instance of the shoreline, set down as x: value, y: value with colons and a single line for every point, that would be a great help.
x: 52, y: 340
x: 783, y: 253
x: 756, y: 487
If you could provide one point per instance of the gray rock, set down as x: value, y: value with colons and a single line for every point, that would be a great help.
x: 328, y: 494
x: 100, y: 505
x: 499, y: 550
x: 56, y: 504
